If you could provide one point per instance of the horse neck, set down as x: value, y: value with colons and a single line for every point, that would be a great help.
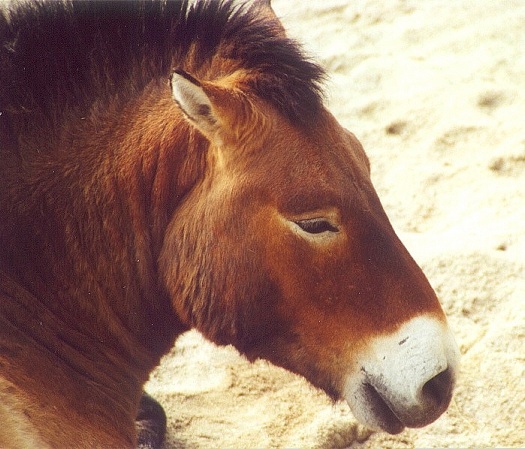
x: 89, y: 221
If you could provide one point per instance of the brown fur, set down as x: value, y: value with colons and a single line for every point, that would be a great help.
x: 122, y: 225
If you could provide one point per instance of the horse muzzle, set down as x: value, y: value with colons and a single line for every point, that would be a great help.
x: 404, y: 379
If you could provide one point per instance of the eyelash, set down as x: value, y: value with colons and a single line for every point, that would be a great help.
x: 316, y: 226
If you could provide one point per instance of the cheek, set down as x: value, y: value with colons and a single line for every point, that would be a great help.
x: 312, y: 277
x: 217, y: 273
x: 318, y: 296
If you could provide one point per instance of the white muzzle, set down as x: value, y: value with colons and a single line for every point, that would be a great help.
x: 404, y: 379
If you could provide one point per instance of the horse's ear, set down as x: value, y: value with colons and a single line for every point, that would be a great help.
x: 219, y: 110
x: 194, y: 102
x: 265, y: 8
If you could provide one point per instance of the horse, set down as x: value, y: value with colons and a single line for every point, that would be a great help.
x: 171, y: 165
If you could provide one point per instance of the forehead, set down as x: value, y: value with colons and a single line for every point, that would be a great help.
x: 312, y: 168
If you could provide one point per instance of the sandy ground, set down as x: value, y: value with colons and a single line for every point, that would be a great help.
x: 436, y: 93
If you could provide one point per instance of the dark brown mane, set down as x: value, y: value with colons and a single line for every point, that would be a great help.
x: 62, y: 56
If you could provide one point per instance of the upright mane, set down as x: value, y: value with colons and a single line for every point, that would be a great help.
x: 59, y: 56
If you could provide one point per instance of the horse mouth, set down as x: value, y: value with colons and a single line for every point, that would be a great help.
x: 383, y: 413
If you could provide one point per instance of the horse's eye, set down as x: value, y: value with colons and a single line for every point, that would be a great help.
x: 316, y: 226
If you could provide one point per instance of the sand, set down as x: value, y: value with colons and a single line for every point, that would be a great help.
x: 435, y: 91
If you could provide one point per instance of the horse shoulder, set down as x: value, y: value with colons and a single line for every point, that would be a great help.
x: 17, y: 430
x: 45, y: 400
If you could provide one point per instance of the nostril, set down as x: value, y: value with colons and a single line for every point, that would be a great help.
x: 439, y: 389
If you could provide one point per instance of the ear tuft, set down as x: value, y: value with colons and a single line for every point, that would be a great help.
x: 193, y: 101
x: 187, y: 76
